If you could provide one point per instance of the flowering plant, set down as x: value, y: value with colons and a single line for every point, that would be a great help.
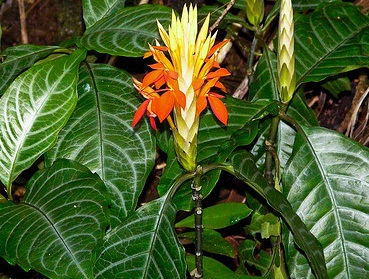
x: 86, y: 195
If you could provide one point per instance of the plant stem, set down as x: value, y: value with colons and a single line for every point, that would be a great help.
x: 197, y: 198
x: 250, y: 64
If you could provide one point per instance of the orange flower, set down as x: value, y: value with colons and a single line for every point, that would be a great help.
x: 181, y: 81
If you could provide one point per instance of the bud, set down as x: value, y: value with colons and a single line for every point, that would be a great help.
x: 286, y: 56
x: 255, y: 11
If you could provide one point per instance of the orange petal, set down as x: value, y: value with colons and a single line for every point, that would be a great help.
x: 161, y: 48
x: 152, y: 122
x: 218, y: 73
x: 147, y: 54
x: 220, y: 86
x: 163, y: 105
x: 201, y: 104
x: 197, y: 84
x: 140, y: 112
x: 217, y: 46
x: 151, y: 77
x: 218, y: 108
x: 180, y: 98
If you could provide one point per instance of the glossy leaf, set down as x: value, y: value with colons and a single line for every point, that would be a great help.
x: 58, y: 224
x: 246, y: 170
x: 94, y: 10
x: 219, y: 216
x: 264, y: 85
x: 326, y: 181
x: 247, y: 253
x: 212, y: 242
x: 143, y: 246
x: 337, y: 85
x: 339, y: 43
x: 215, y: 270
x: 33, y: 110
x: 127, y: 31
x: 19, y: 58
x: 99, y: 135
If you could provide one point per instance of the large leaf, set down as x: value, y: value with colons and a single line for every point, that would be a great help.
x: 246, y: 170
x: 127, y: 31
x: 99, y: 135
x: 143, y: 246
x: 19, y: 58
x: 326, y: 181
x: 94, y: 10
x: 59, y: 223
x: 33, y: 110
x: 330, y: 40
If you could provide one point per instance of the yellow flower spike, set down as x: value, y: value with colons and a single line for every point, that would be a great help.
x: 255, y: 11
x: 181, y: 82
x: 286, y: 56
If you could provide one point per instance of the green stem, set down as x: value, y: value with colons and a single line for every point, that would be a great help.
x: 250, y: 64
x: 269, y: 147
x: 197, y: 198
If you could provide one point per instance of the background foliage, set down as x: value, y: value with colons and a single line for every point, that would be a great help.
x: 66, y: 110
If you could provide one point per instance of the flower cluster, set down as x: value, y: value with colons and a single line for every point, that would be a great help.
x: 181, y: 81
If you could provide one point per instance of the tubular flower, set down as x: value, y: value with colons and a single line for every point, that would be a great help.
x: 286, y: 53
x: 181, y: 80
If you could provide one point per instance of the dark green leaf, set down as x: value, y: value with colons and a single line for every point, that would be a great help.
x: 246, y: 252
x: 127, y: 31
x: 216, y: 270
x: 94, y: 10
x: 246, y: 170
x: 326, y: 181
x: 143, y: 246
x: 267, y: 225
x: 212, y: 242
x: 19, y: 58
x: 331, y: 40
x: 59, y: 223
x: 219, y: 216
x: 33, y: 110
x: 215, y: 13
x: 99, y: 135
x: 264, y: 85
x: 337, y: 85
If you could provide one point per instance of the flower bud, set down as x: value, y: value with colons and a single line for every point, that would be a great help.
x: 286, y: 56
x: 255, y: 11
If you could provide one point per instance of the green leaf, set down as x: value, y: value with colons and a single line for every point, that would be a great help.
x: 99, y: 135
x: 143, y: 246
x: 326, y: 181
x: 94, y: 10
x: 246, y: 170
x: 58, y: 224
x: 219, y: 216
x: 33, y: 110
x: 19, y: 58
x: 246, y: 252
x: 265, y: 85
x: 215, y: 13
x: 337, y: 44
x: 212, y: 242
x: 337, y: 85
x: 127, y: 31
x: 267, y: 225
x: 216, y: 270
